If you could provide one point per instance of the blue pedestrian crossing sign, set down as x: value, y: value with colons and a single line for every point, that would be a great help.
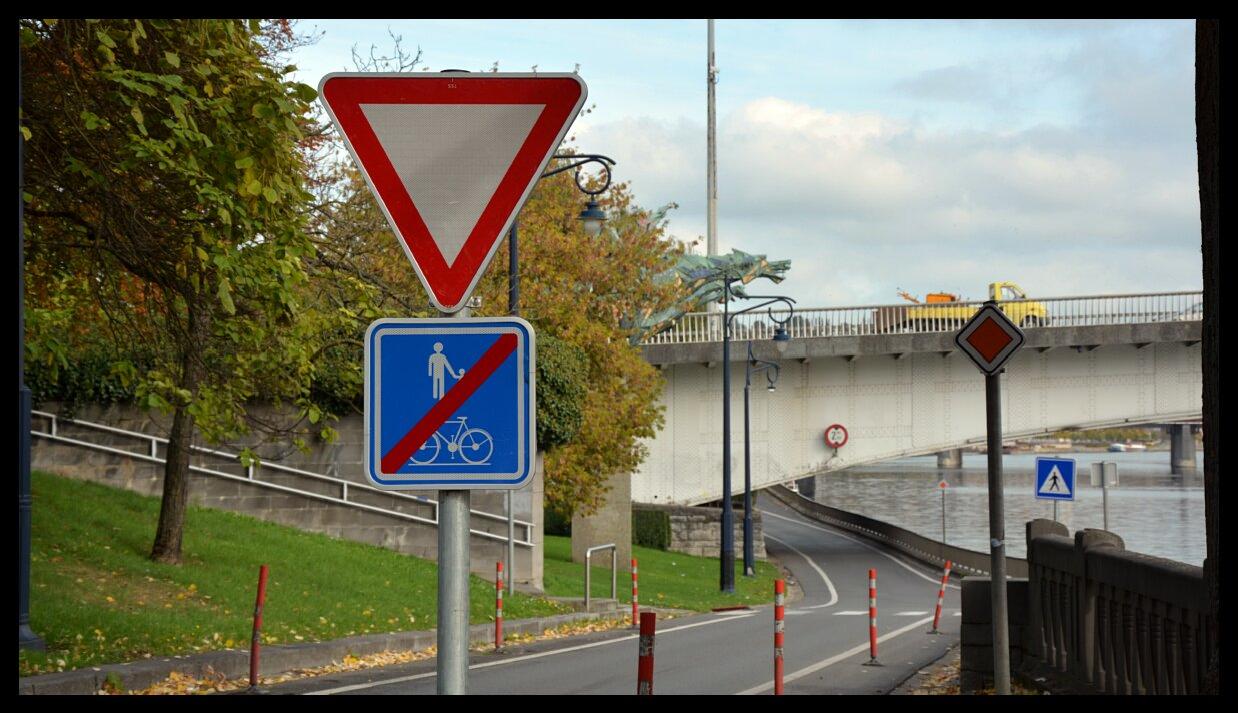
x: 450, y: 404
x: 1055, y: 478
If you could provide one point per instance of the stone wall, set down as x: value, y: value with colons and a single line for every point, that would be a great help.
x: 976, y: 635
x: 293, y: 509
x: 697, y: 530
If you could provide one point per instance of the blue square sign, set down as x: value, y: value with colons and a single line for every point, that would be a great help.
x: 1055, y: 478
x: 450, y: 403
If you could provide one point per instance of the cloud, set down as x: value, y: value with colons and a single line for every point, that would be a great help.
x: 863, y: 203
x: 954, y: 83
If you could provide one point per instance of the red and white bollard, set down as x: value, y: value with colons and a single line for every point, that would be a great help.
x: 635, y: 615
x: 872, y: 619
x: 254, y: 642
x: 941, y: 596
x: 644, y: 661
x: 498, y: 606
x: 780, y: 589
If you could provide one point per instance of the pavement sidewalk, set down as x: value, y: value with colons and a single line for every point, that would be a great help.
x: 936, y: 679
x: 234, y: 663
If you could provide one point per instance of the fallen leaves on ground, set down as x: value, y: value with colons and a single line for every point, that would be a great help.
x: 941, y: 682
x: 188, y: 684
x: 564, y: 630
x: 944, y: 681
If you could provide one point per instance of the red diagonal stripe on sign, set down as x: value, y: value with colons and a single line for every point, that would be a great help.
x: 452, y: 400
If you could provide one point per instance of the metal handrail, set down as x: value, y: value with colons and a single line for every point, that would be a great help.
x: 614, y: 564
x: 345, y: 485
x: 865, y: 320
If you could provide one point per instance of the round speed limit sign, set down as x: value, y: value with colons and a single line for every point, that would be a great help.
x: 835, y: 436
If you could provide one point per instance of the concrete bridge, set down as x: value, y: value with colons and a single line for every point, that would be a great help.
x: 900, y: 388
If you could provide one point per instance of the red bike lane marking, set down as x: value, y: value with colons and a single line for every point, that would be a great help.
x: 474, y: 377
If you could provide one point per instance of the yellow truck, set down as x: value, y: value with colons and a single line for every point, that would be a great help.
x: 942, y: 311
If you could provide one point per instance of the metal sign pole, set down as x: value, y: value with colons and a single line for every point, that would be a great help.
x: 943, y: 516
x: 997, y: 536
x: 1104, y: 496
x: 513, y: 308
x: 1104, y: 490
x: 453, y: 587
x: 453, y: 592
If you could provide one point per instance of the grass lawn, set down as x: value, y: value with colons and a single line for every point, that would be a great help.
x: 96, y: 598
x: 667, y: 579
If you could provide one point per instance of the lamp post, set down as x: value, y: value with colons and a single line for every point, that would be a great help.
x: 592, y: 218
x: 771, y: 370
x: 727, y: 555
x: 26, y: 638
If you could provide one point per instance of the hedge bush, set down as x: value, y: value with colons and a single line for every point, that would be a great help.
x: 651, y: 528
x: 556, y: 523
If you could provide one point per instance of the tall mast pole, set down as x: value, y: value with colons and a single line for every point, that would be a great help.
x: 711, y: 159
x: 712, y: 152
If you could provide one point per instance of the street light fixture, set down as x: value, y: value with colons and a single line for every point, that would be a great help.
x: 771, y: 369
x: 592, y: 218
x: 781, y: 337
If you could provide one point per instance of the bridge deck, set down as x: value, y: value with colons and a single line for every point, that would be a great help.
x: 897, y: 345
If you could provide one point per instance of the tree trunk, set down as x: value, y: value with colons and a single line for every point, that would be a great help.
x: 1208, y: 137
x: 175, y: 501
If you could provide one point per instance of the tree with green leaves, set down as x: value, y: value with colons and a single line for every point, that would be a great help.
x: 166, y: 213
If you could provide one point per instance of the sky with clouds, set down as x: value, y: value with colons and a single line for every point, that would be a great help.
x: 878, y: 155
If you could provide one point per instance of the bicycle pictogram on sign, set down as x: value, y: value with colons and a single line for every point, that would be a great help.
x: 472, y: 445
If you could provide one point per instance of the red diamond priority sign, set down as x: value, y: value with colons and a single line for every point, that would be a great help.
x: 451, y: 158
x: 989, y: 338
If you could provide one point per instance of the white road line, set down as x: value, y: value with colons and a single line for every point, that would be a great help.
x: 504, y: 662
x: 850, y: 613
x: 834, y: 659
x: 874, y: 548
x: 911, y: 613
x: 828, y: 583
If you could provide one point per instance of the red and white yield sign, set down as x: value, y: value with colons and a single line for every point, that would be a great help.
x: 989, y: 338
x: 451, y: 158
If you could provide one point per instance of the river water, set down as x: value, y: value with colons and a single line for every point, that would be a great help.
x: 1153, y: 511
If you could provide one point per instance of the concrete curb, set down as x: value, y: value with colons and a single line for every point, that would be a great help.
x: 234, y: 663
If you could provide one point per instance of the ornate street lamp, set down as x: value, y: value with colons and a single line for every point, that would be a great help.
x: 771, y: 369
x: 781, y: 338
x: 592, y: 219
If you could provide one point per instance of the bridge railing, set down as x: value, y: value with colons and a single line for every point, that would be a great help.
x: 1112, y: 620
x: 909, y: 318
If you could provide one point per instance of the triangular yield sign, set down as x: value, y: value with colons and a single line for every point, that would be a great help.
x: 451, y: 158
x: 1055, y: 484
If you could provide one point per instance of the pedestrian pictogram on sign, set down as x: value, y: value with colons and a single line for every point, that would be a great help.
x: 989, y: 338
x: 450, y: 403
x: 451, y: 158
x: 1055, y: 478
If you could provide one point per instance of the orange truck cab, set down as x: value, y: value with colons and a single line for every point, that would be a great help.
x: 942, y: 311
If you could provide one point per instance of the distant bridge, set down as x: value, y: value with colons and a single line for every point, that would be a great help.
x: 900, y: 388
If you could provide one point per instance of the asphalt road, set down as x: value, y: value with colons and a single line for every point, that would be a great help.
x: 826, y: 635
